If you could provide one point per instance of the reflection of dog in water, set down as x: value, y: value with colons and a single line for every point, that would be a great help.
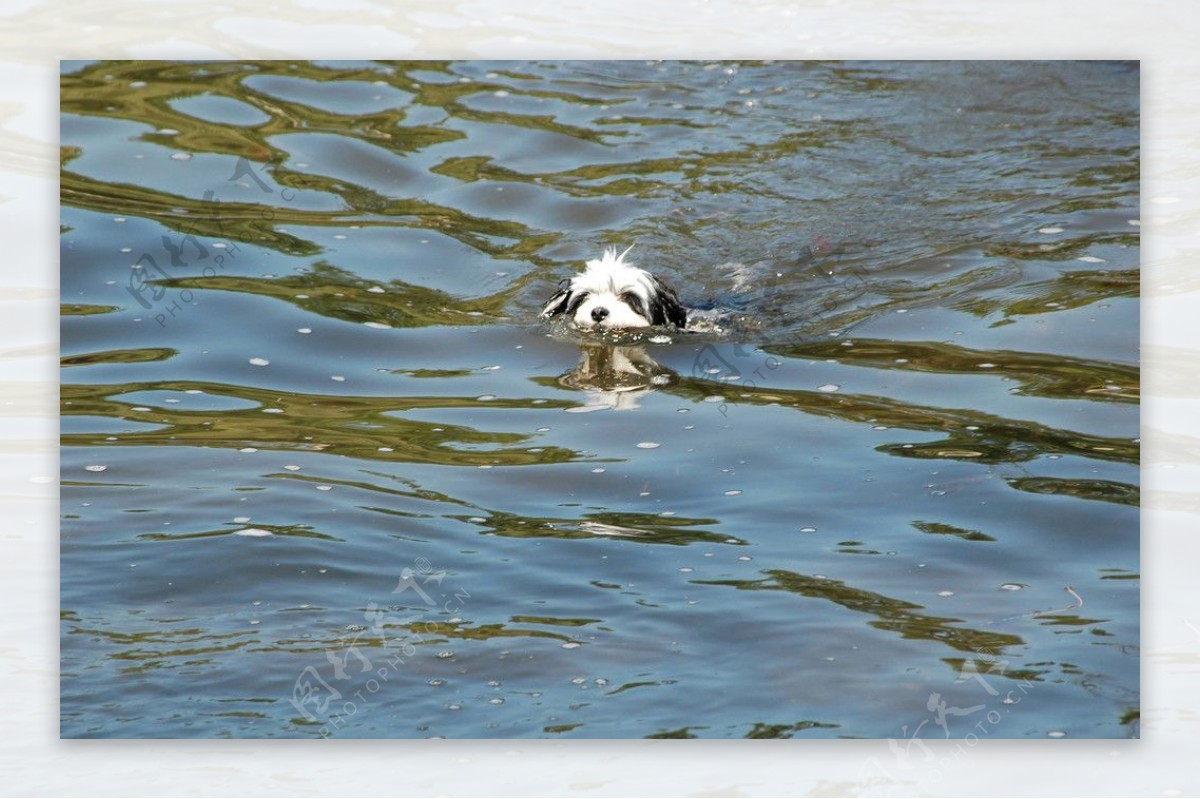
x: 615, y: 377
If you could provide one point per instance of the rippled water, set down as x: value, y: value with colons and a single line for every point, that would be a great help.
x: 324, y: 474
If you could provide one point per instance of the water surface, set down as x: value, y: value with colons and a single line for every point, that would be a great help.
x: 325, y: 475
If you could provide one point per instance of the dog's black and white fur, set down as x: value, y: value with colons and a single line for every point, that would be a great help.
x: 613, y: 294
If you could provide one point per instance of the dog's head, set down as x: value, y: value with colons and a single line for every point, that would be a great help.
x: 612, y: 294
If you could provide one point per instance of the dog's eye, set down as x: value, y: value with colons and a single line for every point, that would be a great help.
x: 576, y: 300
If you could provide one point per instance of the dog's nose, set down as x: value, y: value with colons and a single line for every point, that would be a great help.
x: 598, y: 314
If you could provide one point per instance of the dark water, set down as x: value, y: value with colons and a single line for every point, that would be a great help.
x: 324, y: 474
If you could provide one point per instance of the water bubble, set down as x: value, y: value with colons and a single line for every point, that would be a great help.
x: 253, y: 532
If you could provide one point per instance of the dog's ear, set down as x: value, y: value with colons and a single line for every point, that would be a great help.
x: 558, y: 301
x: 665, y: 307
